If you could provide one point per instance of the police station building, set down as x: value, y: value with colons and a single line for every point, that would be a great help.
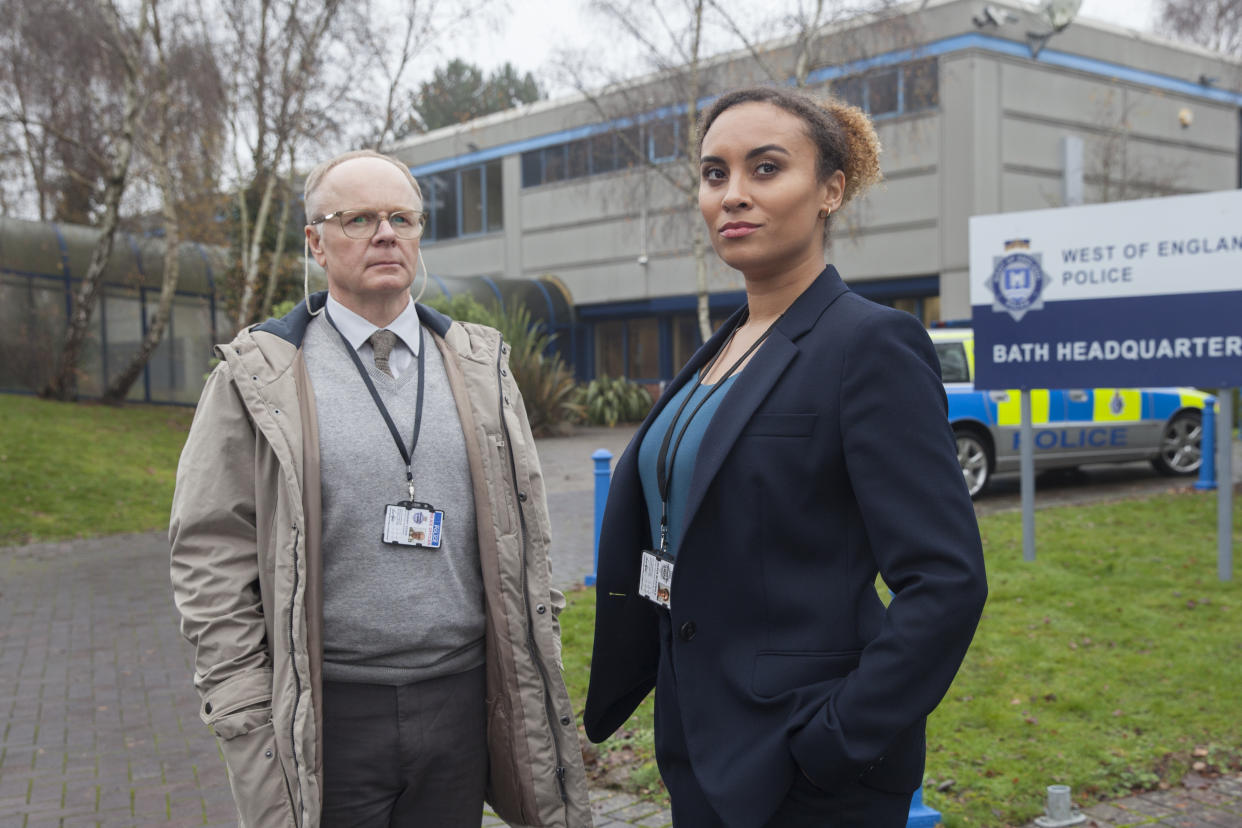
x: 569, y: 195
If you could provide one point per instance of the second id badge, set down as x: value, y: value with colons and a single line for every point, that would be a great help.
x: 413, y: 524
x: 655, y: 578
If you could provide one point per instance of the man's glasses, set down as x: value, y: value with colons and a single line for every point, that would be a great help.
x: 362, y: 224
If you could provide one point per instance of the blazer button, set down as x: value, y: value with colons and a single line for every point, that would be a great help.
x: 207, y: 708
x: 688, y: 630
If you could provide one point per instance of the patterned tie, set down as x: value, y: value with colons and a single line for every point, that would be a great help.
x: 382, y: 342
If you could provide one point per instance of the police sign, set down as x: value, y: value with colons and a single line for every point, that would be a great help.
x: 1127, y: 294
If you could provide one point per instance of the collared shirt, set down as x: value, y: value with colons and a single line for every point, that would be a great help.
x: 358, y: 330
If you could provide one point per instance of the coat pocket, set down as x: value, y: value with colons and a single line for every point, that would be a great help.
x: 781, y: 672
x: 256, y: 774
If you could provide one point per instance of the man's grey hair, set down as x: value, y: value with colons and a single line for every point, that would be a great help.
x: 315, y: 178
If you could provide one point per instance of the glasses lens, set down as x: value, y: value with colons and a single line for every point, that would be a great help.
x: 407, y: 224
x: 359, y: 224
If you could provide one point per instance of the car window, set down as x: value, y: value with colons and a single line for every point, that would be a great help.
x: 953, y: 366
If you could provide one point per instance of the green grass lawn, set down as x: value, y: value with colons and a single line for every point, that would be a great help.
x: 1103, y: 665
x: 72, y: 470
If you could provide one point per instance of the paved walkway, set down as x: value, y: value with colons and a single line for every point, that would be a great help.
x: 98, y: 720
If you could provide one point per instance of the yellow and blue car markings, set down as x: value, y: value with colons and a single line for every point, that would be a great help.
x: 1071, y: 426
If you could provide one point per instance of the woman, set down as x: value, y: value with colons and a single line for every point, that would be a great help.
x: 801, y: 450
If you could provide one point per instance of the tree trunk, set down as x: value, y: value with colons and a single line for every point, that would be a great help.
x: 692, y: 118
x: 118, y: 388
x: 282, y: 236
x: 64, y: 384
x: 252, y: 253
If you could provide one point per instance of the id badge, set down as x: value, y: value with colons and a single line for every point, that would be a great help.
x: 655, y: 579
x: 413, y: 524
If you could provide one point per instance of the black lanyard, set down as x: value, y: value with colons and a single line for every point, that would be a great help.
x: 664, y: 463
x: 406, y: 454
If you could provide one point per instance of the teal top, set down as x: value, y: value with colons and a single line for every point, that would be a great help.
x: 683, y: 464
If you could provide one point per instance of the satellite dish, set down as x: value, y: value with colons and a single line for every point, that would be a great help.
x: 1059, y: 13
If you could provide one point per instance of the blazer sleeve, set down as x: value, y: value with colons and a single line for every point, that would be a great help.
x: 920, y: 525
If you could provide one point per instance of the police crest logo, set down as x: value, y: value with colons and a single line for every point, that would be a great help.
x: 1017, y: 282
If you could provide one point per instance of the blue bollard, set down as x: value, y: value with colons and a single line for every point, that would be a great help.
x: 603, y: 477
x: 1207, y: 447
x: 921, y: 816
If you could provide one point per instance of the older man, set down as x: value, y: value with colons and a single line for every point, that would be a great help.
x: 359, y: 550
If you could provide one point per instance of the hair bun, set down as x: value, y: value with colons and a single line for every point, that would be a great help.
x: 862, y: 156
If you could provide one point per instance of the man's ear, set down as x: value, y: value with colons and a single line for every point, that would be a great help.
x: 315, y: 242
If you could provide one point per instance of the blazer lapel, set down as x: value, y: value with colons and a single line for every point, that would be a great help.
x: 754, y: 383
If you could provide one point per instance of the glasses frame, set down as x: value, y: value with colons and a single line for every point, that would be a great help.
x: 382, y: 216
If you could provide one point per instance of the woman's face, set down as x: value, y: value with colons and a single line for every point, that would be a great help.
x: 760, y: 193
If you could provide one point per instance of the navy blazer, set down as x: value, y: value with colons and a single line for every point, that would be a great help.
x: 830, y: 458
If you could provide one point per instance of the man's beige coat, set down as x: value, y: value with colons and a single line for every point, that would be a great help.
x: 247, y: 563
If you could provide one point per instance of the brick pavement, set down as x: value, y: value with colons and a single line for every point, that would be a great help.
x: 99, y: 723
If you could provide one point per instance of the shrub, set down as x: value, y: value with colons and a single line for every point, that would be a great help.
x: 610, y: 400
x: 546, y: 383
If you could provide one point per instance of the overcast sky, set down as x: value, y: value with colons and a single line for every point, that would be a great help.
x: 530, y: 36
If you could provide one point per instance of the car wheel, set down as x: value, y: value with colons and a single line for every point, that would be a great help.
x: 1181, y: 444
x: 975, y: 457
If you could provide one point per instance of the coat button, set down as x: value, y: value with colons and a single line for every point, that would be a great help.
x: 207, y: 708
x: 522, y: 496
x: 565, y: 720
x: 541, y: 609
x: 688, y: 630
x: 268, y: 753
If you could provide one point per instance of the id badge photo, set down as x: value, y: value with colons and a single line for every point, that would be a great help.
x: 655, y: 578
x: 409, y: 523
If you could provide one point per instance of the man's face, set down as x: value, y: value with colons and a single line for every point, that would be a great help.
x: 362, y: 271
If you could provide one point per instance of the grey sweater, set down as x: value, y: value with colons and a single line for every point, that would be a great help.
x: 392, y: 614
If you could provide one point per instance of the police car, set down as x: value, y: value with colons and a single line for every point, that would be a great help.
x: 1073, y: 426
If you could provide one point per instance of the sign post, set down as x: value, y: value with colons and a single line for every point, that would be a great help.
x: 1135, y: 293
x: 1224, y: 486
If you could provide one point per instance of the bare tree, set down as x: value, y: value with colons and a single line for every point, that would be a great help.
x: 1114, y: 164
x: 59, y: 81
x: 128, y: 43
x: 1215, y: 24
x: 278, y: 101
x: 182, y: 153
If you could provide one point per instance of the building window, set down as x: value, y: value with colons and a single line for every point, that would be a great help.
x: 662, y: 137
x: 610, y: 348
x: 629, y: 147
x: 465, y: 202
x: 532, y: 168
x: 578, y: 159
x: 495, y: 197
x: 850, y: 90
x: 603, y: 153
x: 553, y: 163
x: 441, y: 195
x: 613, y: 150
x: 910, y: 87
x: 926, y: 308
x: 685, y: 340
x: 643, y: 349
x: 882, y: 92
x: 921, y: 85
x: 472, y: 201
